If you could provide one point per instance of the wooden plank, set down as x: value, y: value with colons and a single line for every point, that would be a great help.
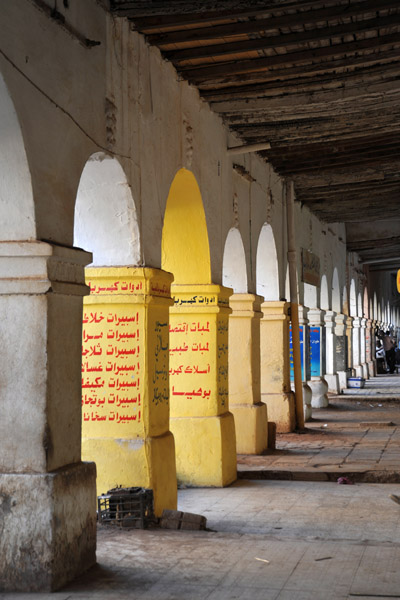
x: 245, y: 66
x: 178, y: 57
x: 309, y: 13
x: 367, y: 94
x: 306, y: 84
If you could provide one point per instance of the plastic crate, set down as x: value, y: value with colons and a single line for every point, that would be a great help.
x: 126, y: 507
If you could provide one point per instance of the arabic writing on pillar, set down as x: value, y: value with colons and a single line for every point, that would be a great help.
x: 111, y: 366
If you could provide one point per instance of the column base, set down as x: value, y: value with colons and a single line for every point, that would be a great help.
x: 307, y: 397
x: 206, y: 449
x: 342, y: 376
x: 251, y: 425
x: 332, y: 380
x: 371, y: 368
x: 48, y: 527
x: 281, y: 411
x: 365, y: 370
x: 148, y: 463
x: 319, y: 389
x: 359, y: 370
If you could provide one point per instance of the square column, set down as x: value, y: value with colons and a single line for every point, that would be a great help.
x: 356, y: 347
x: 372, y: 362
x: 125, y: 381
x: 363, y: 347
x: 331, y: 376
x: 251, y: 420
x: 305, y: 361
x: 275, y: 366
x: 341, y: 354
x: 317, y: 382
x: 48, y: 496
x: 203, y: 427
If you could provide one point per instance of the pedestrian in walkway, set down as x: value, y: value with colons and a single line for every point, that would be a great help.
x: 388, y: 346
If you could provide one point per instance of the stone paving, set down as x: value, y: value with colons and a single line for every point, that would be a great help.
x: 276, y: 539
x: 269, y: 540
x: 357, y: 436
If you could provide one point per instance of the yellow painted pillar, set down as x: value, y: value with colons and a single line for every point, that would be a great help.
x: 202, y: 425
x: 251, y: 420
x: 125, y: 382
x: 275, y: 365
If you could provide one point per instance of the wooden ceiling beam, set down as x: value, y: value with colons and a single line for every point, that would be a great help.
x: 311, y: 12
x: 198, y: 74
x: 367, y: 73
x: 178, y: 57
x: 175, y: 14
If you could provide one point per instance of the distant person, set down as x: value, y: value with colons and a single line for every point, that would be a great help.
x: 388, y: 346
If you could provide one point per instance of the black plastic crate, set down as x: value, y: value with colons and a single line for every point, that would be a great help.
x: 126, y: 507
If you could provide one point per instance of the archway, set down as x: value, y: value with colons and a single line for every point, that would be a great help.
x: 202, y: 426
x: 336, y: 300
x: 251, y: 421
x: 105, y: 214
x: 267, y: 273
x: 234, y: 273
x: 185, y: 247
x: 324, y: 294
x: 124, y: 342
x: 16, y: 197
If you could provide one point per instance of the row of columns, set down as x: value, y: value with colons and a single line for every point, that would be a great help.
x: 156, y: 399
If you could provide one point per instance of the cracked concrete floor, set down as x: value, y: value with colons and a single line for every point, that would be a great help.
x: 286, y: 540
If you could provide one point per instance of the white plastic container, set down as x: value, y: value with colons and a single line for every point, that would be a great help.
x: 355, y: 382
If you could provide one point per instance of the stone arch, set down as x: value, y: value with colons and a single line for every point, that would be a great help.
x: 16, y: 196
x: 353, y: 299
x: 336, y: 300
x: 234, y: 274
x: 185, y: 249
x: 105, y: 214
x: 345, y: 301
x: 310, y: 295
x: 267, y: 273
x: 366, y: 304
x: 359, y: 305
x: 324, y: 294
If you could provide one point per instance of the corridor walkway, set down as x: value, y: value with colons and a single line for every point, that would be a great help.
x: 357, y: 436
x: 274, y: 540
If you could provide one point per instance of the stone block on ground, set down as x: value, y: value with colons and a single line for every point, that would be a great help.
x: 176, y: 519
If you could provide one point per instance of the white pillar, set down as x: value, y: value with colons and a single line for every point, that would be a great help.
x: 363, y: 349
x: 331, y: 375
x: 356, y: 347
x: 48, y: 530
x: 341, y: 354
x: 307, y: 394
x: 317, y: 383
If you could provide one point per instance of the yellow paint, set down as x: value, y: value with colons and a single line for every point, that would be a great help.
x: 125, y: 381
x: 398, y: 281
x: 251, y: 420
x: 185, y: 248
x: 201, y: 423
x: 275, y: 365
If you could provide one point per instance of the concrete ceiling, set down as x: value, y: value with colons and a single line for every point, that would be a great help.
x: 319, y: 80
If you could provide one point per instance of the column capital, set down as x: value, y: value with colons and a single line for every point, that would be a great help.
x: 246, y: 305
x: 316, y: 317
x: 363, y: 322
x: 275, y: 311
x: 40, y: 267
x: 341, y: 323
x: 303, y: 314
x: 356, y: 322
x: 329, y: 318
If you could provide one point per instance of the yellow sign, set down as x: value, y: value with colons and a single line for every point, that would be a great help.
x: 398, y: 281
